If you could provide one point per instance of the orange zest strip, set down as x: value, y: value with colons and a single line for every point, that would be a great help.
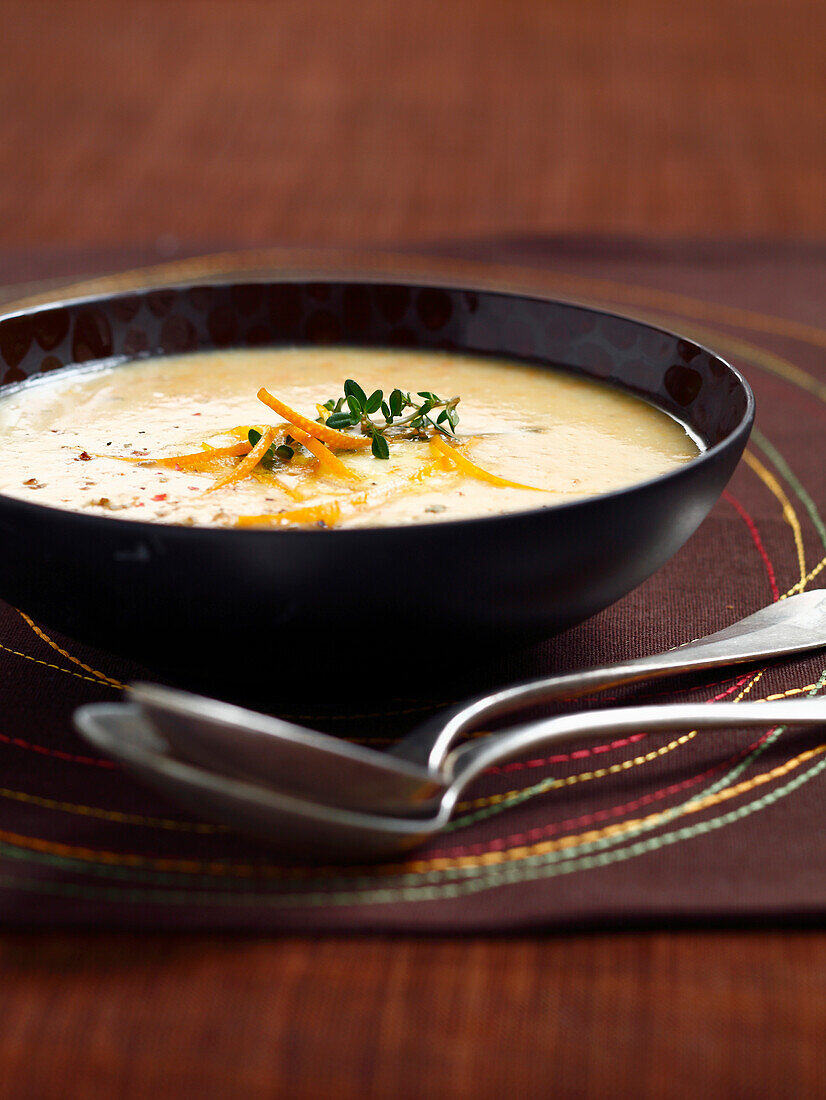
x: 438, y: 465
x: 268, y: 478
x: 234, y: 451
x: 337, y: 441
x: 327, y: 461
x: 472, y: 470
x: 242, y: 431
x: 246, y: 465
x: 328, y: 514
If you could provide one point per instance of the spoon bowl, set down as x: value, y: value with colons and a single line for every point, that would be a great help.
x: 301, y: 828
x: 310, y: 765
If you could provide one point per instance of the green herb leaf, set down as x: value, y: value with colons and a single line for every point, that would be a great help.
x: 341, y: 420
x: 353, y: 389
x: 284, y: 452
x: 379, y: 446
x: 373, y: 402
x: 400, y: 410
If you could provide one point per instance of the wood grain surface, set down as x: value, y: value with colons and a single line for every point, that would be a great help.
x: 637, y: 1015
x: 163, y: 126
x: 394, y: 120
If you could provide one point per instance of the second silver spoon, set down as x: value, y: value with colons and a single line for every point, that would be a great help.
x: 311, y: 765
x: 304, y: 829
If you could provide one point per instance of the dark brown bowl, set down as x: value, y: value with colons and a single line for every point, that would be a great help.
x: 182, y: 600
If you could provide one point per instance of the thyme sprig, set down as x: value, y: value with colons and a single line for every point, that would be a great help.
x: 356, y: 410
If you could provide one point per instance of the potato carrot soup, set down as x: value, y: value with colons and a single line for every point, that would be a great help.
x: 326, y: 438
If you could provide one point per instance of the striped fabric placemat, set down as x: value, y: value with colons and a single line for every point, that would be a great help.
x: 682, y: 828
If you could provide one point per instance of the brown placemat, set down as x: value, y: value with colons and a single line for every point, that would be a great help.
x: 680, y: 828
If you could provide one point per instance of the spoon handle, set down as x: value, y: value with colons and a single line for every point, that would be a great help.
x: 469, y: 760
x: 788, y: 626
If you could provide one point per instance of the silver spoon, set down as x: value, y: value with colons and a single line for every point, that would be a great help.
x: 312, y: 765
x: 301, y: 828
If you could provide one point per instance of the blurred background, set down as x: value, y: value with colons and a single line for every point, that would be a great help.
x: 166, y: 127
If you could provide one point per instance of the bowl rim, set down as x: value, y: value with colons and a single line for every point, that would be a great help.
x: 149, y: 529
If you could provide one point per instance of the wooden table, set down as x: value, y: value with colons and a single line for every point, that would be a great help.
x: 150, y: 129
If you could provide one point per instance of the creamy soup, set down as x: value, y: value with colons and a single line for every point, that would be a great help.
x: 178, y: 439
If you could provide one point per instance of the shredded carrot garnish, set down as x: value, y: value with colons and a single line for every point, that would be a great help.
x: 328, y: 514
x: 472, y: 470
x: 335, y: 440
x: 246, y: 465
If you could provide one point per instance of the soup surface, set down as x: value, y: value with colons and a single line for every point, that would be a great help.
x: 136, y: 440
